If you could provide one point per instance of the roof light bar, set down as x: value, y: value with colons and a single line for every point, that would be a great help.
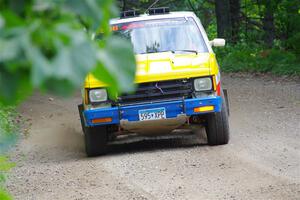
x: 129, y: 13
x: 158, y: 11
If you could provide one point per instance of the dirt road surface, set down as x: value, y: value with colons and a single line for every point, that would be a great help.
x: 262, y: 160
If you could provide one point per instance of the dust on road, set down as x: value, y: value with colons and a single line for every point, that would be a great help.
x: 262, y: 160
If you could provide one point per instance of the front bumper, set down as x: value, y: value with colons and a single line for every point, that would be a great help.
x: 131, y: 113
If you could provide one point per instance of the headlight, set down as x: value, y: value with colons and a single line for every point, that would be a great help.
x: 202, y: 84
x: 98, y: 95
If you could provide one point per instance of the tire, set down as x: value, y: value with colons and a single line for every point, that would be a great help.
x: 217, y: 126
x: 95, y: 140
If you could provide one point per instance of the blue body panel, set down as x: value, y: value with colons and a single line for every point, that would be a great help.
x: 131, y: 113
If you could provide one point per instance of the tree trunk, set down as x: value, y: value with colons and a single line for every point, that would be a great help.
x: 222, y: 8
x: 124, y: 5
x: 268, y: 24
x: 235, y: 11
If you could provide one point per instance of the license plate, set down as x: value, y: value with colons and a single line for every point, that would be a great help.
x: 152, y: 114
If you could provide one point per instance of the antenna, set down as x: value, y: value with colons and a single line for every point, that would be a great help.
x: 152, y: 5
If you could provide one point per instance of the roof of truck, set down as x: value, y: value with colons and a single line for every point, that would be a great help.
x: 151, y: 17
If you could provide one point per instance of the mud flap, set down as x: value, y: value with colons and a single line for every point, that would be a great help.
x: 227, y: 100
x: 80, y: 109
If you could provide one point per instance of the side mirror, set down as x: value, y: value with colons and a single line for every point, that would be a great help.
x: 217, y: 42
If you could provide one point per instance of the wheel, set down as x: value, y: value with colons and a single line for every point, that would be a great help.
x: 217, y: 126
x: 95, y: 140
x: 80, y: 109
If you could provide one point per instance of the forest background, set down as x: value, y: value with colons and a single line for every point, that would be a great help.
x: 262, y: 35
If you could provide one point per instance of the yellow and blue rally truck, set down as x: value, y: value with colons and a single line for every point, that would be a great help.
x: 178, y: 83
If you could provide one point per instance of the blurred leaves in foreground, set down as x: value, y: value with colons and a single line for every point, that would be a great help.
x: 47, y: 45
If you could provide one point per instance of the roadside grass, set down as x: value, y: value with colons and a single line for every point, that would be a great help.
x: 5, y: 166
x: 8, y: 137
x: 4, y: 195
x: 254, y: 58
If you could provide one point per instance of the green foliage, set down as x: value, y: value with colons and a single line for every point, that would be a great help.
x: 4, y: 194
x: 254, y: 58
x: 7, y: 138
x: 47, y: 45
x: 293, y: 43
x: 117, y: 46
x: 7, y: 128
x: 5, y: 166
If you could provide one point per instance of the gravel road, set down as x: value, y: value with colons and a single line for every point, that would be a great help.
x: 262, y: 160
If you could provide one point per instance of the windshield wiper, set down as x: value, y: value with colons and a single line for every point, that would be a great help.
x: 172, y: 51
x: 160, y: 51
x: 186, y: 50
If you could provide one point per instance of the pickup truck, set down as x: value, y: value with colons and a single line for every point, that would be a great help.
x: 178, y: 83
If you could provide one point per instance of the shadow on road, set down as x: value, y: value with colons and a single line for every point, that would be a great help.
x: 65, y: 143
x: 152, y: 145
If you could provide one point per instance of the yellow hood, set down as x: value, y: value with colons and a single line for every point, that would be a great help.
x: 166, y: 66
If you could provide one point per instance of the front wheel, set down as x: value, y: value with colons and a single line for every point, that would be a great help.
x: 95, y: 140
x: 217, y: 126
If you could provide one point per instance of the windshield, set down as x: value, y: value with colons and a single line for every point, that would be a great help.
x: 151, y: 36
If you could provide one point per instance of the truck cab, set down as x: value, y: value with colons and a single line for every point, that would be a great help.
x: 178, y: 83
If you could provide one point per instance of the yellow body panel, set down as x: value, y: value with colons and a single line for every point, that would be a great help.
x: 167, y: 66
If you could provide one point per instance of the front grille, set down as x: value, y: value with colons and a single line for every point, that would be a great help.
x: 158, y: 91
